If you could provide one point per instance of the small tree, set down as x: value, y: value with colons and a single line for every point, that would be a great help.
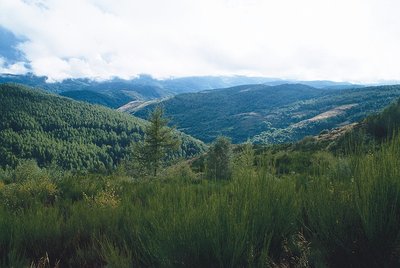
x: 219, y: 158
x: 159, y: 140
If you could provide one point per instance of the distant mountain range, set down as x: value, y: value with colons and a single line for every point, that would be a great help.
x: 118, y: 92
x: 256, y: 109
x: 270, y: 114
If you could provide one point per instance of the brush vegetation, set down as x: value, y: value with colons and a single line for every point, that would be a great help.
x: 340, y: 212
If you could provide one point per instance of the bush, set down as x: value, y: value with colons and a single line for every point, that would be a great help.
x: 25, y: 194
x: 28, y: 170
x: 179, y: 172
x: 219, y: 158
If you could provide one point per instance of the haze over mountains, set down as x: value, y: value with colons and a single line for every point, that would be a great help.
x: 117, y: 92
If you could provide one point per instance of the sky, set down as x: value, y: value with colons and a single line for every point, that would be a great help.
x: 339, y: 40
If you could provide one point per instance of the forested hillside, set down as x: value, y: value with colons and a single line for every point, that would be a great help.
x: 94, y: 97
x: 272, y: 114
x: 69, y: 134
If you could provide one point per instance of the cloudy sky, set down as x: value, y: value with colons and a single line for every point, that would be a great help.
x: 342, y: 40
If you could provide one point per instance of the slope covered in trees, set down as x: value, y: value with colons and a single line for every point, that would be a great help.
x: 70, y: 134
x: 94, y: 97
x: 272, y: 114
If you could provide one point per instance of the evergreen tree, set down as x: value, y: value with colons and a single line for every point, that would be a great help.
x: 159, y: 140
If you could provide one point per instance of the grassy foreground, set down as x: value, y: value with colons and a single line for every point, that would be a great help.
x: 342, y: 212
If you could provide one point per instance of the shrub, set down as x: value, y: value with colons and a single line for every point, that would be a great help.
x: 25, y: 194
x: 219, y: 158
x: 179, y: 172
x: 104, y: 198
x: 28, y: 170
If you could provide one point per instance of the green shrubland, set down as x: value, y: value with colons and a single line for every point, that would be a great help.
x: 342, y: 211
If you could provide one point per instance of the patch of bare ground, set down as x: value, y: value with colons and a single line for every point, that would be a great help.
x: 336, y: 132
x: 326, y: 115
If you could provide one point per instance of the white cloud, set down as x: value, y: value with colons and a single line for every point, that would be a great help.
x: 355, y: 40
x: 15, y: 68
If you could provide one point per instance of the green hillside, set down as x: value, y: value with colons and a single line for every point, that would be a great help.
x: 369, y: 133
x: 335, y: 109
x: 237, y: 112
x: 272, y: 114
x: 362, y: 137
x: 70, y: 134
x: 97, y: 98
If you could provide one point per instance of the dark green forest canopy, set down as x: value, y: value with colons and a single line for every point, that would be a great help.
x: 70, y: 134
x: 94, y: 97
x: 272, y: 114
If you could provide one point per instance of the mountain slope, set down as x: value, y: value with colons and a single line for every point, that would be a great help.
x: 116, y: 92
x: 92, y: 97
x: 73, y: 135
x: 239, y: 112
x: 335, y: 109
x: 271, y: 114
x: 359, y: 137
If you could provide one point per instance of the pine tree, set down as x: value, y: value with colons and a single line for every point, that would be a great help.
x: 159, y: 140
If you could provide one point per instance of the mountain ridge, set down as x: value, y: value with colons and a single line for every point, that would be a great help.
x: 116, y: 92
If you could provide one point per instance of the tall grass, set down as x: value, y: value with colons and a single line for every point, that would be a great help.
x: 354, y: 216
x: 377, y: 199
x: 342, y: 212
